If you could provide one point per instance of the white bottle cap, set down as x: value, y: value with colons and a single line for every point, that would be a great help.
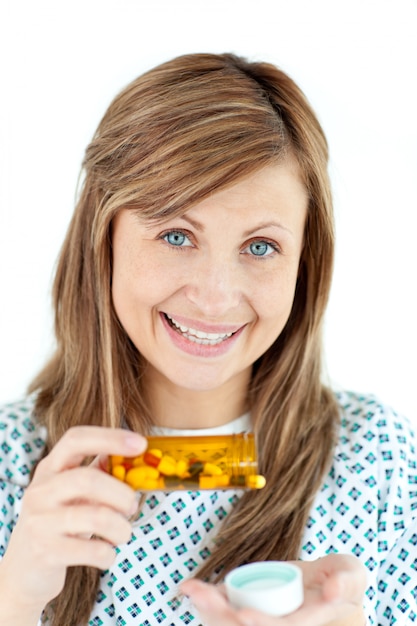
x: 274, y: 587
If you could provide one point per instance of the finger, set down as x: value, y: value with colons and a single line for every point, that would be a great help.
x: 81, y: 484
x: 345, y: 586
x: 303, y: 617
x: 313, y: 613
x: 87, y: 520
x: 81, y: 521
x: 72, y: 551
x: 211, y: 603
x: 215, y: 609
x: 101, y: 462
x: 316, y: 573
x: 83, y: 441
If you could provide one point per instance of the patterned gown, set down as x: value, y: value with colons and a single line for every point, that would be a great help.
x: 367, y: 506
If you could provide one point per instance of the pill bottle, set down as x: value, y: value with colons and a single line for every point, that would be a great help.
x: 192, y: 463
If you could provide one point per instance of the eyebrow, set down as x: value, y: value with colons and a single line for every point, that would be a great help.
x: 247, y: 233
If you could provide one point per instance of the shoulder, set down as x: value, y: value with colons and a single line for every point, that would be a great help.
x: 366, y: 421
x: 378, y: 446
x: 368, y: 503
x: 22, y: 441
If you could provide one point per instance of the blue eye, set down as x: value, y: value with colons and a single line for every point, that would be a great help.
x: 176, y: 238
x: 261, y: 248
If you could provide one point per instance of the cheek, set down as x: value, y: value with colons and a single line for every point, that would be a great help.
x: 128, y: 283
x: 273, y: 296
x: 274, y: 313
x: 138, y: 286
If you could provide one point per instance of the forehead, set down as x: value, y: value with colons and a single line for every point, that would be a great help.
x: 273, y: 185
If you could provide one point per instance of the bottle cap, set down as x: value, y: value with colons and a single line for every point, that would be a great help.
x: 274, y: 587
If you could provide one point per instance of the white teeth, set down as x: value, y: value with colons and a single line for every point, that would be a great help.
x: 198, y: 336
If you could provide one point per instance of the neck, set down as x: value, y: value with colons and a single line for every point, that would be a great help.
x: 176, y: 407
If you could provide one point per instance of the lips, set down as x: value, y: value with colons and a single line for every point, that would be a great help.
x: 202, y: 337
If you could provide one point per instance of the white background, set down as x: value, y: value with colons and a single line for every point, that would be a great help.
x: 62, y: 63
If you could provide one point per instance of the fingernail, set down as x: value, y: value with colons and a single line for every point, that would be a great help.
x: 133, y: 509
x: 134, y: 442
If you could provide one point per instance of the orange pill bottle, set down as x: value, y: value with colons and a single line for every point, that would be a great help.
x: 192, y: 463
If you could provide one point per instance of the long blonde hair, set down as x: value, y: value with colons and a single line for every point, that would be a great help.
x: 187, y: 128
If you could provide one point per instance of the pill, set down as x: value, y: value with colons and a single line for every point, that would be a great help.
x: 138, y: 477
x: 152, y: 485
x: 167, y: 465
x: 152, y: 457
x: 207, y: 482
x: 196, y: 468
x: 212, y: 470
x: 222, y: 481
x: 255, y: 481
x: 181, y: 469
x: 119, y: 472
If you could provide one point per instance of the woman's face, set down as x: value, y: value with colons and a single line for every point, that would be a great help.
x: 202, y: 296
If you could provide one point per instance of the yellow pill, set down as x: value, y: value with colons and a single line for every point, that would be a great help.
x: 117, y: 459
x: 156, y: 452
x: 207, y: 482
x: 119, y: 472
x: 181, y: 469
x: 136, y: 476
x: 150, y: 484
x: 151, y: 473
x: 255, y: 481
x: 139, y: 477
x: 211, y: 469
x: 223, y: 481
x: 167, y: 465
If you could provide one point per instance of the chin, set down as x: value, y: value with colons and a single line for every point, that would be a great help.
x: 198, y: 381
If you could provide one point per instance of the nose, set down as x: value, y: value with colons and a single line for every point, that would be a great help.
x: 214, y: 287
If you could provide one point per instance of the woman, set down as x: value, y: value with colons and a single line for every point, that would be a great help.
x: 189, y: 297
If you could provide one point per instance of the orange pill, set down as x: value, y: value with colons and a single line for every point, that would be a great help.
x: 117, y: 459
x: 119, y: 472
x: 152, y: 457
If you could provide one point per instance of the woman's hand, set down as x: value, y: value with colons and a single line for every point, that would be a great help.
x: 334, y: 587
x: 64, y: 506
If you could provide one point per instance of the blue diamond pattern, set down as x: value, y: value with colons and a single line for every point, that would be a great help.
x: 367, y: 506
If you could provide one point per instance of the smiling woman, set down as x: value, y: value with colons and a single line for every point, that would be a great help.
x: 189, y: 300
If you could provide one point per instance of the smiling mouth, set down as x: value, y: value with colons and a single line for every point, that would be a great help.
x: 197, y: 336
